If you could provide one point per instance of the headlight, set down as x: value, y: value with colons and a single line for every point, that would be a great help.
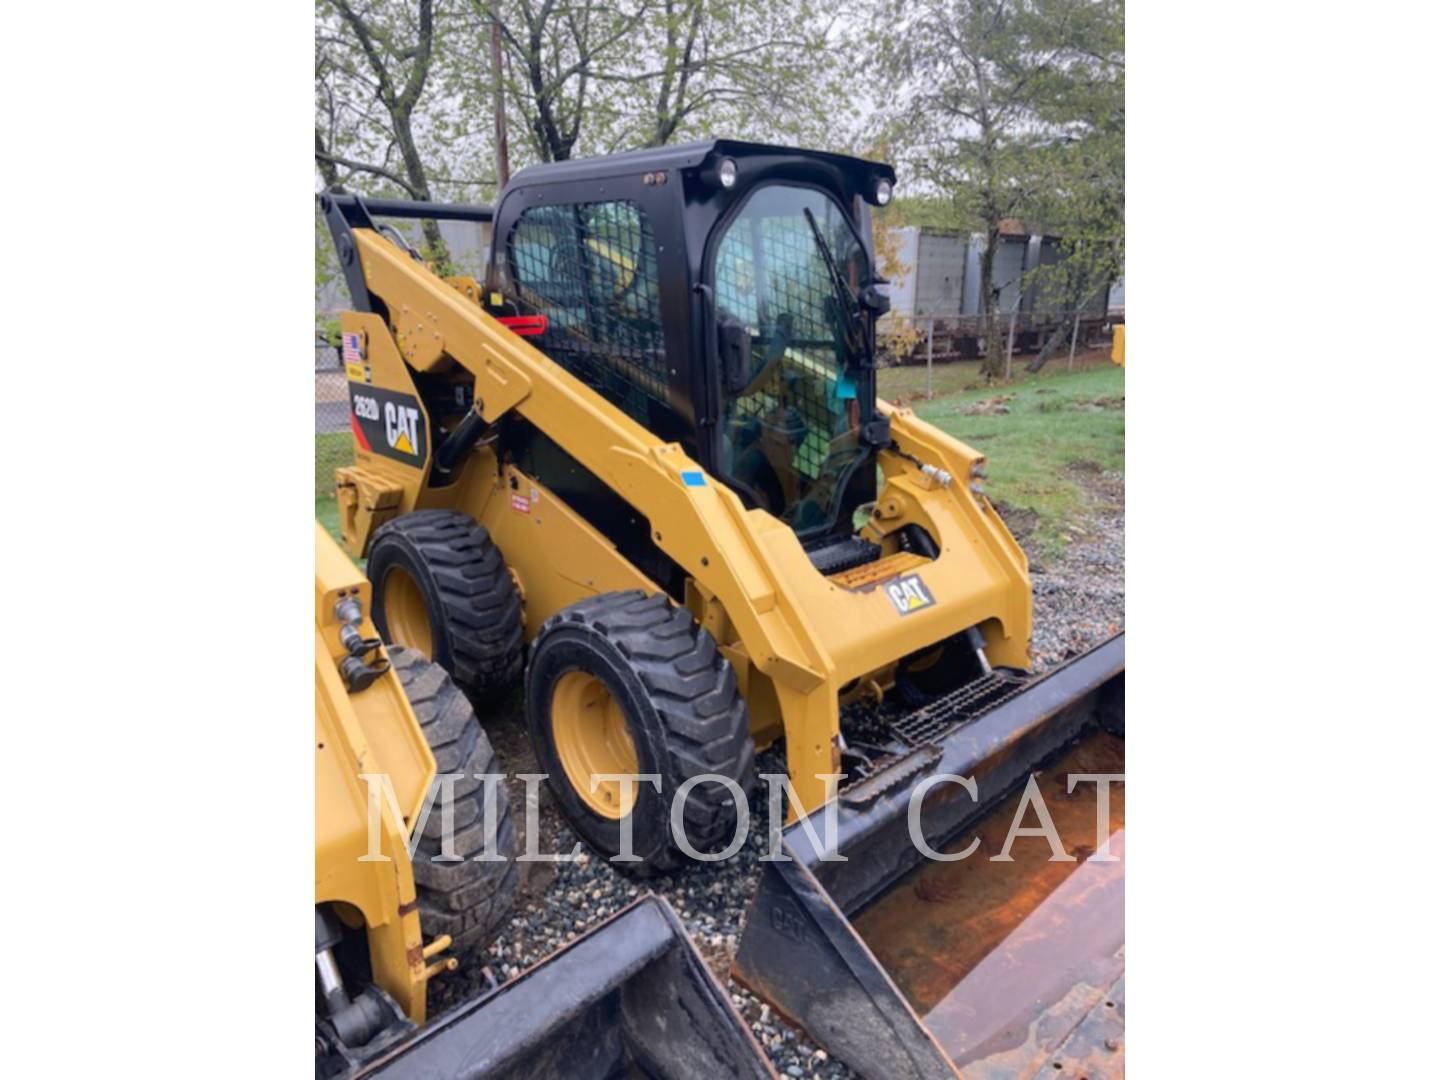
x: 882, y: 192
x: 727, y: 172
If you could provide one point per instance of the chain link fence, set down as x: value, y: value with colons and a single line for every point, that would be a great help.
x: 334, y: 447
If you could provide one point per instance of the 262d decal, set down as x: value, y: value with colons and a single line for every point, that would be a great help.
x: 388, y: 423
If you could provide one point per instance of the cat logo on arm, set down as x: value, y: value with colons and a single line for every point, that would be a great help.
x: 909, y: 594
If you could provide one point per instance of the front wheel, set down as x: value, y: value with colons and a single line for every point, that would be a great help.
x: 624, y: 683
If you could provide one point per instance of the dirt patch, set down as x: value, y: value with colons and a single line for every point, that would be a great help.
x: 1021, y: 523
x: 1104, y: 403
x: 995, y: 406
x: 1104, y: 491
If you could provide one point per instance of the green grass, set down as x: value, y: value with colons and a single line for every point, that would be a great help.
x: 332, y: 450
x: 1058, y: 426
x: 327, y: 512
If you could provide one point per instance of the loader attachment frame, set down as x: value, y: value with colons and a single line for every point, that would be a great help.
x: 632, y: 994
x: 802, y: 952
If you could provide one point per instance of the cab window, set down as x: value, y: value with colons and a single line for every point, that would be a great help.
x: 790, y: 267
x: 591, y: 269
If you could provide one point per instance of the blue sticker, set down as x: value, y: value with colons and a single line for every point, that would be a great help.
x: 695, y: 478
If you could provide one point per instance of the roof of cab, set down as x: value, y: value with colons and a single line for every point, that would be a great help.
x: 683, y: 156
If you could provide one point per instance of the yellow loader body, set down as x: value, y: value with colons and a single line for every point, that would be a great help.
x: 795, y: 636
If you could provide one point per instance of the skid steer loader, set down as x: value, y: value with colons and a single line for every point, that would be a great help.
x: 629, y: 997
x: 642, y: 466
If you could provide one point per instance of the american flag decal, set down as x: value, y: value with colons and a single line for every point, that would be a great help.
x: 350, y: 348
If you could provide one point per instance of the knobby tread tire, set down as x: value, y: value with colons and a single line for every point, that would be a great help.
x: 481, y: 624
x: 466, y: 899
x: 692, y: 688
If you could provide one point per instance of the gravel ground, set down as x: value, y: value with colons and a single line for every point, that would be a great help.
x: 1079, y: 601
x: 1080, y: 597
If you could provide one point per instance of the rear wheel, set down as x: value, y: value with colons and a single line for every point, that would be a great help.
x: 625, y: 683
x: 466, y: 899
x: 441, y: 588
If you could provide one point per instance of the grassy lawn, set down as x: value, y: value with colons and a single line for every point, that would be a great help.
x: 328, y: 514
x: 1056, y: 426
x: 332, y: 450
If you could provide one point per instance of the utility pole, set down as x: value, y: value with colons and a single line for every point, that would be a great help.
x: 502, y: 147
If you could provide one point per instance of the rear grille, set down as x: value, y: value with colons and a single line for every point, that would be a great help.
x: 927, y: 723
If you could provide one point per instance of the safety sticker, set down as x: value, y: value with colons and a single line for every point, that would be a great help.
x: 352, y: 351
x: 909, y: 594
x: 519, y: 502
x: 693, y: 478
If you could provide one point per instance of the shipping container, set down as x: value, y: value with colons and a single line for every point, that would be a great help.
x: 938, y: 281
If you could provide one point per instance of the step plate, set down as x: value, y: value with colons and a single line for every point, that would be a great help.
x: 929, y: 722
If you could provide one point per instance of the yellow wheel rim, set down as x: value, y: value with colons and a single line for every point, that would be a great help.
x: 405, y: 614
x: 591, y: 737
x: 928, y: 661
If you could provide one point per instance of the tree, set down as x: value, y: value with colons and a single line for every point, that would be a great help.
x: 975, y: 104
x: 588, y: 78
x: 760, y: 65
x: 1084, y: 198
x: 404, y: 89
x: 554, y: 50
x: 375, y: 52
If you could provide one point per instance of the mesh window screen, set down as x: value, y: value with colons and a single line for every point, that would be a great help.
x: 790, y: 433
x: 591, y: 268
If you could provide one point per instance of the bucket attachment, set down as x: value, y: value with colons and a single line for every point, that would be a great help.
x: 1006, y: 963
x: 631, y: 998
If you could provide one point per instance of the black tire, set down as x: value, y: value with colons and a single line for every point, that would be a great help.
x: 468, y: 900
x: 931, y: 673
x: 477, y: 625
x: 683, y: 711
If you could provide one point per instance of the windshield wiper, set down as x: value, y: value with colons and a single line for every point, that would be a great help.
x: 854, y: 335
